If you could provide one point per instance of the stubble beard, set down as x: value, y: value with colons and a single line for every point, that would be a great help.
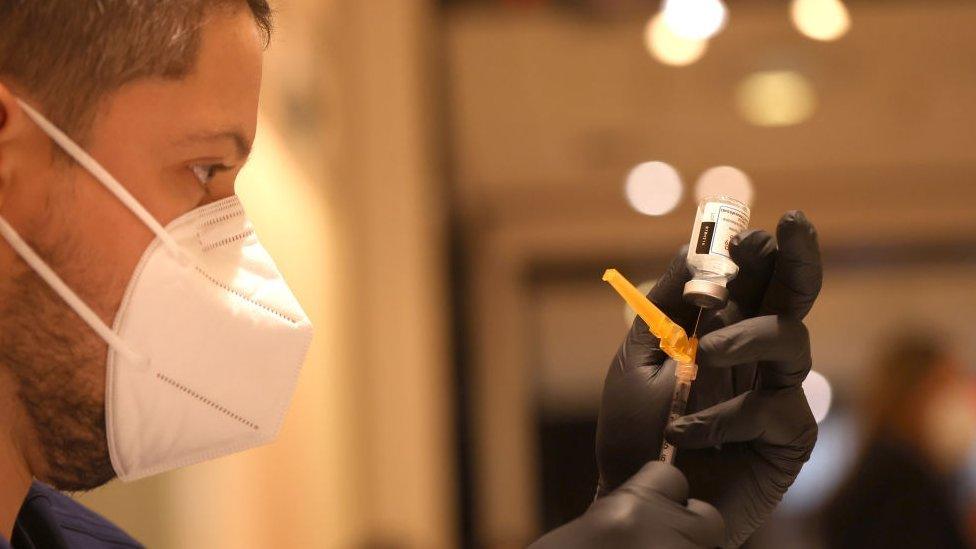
x: 59, y: 366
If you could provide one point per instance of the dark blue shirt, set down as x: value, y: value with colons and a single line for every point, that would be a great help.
x: 49, y: 519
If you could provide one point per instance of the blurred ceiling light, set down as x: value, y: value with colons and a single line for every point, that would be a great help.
x: 724, y: 181
x: 669, y: 48
x: 775, y: 98
x: 819, y: 394
x: 653, y: 188
x: 821, y: 19
x: 695, y: 19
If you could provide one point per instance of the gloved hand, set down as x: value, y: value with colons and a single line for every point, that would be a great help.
x: 651, y: 509
x: 753, y: 359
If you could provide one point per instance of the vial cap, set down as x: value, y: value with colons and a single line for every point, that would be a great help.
x: 706, y: 294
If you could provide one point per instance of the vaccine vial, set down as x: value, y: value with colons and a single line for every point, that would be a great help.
x: 719, y: 219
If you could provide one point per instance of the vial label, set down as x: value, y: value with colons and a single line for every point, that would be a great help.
x: 705, y: 235
x: 719, y: 223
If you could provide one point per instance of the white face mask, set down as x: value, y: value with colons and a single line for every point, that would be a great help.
x: 207, y: 343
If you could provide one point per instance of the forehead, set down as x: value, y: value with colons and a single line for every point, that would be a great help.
x: 221, y: 91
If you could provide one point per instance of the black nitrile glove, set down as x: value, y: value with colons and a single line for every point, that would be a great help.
x: 651, y: 509
x: 755, y: 341
x: 766, y: 434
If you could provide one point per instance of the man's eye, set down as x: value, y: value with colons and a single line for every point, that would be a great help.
x: 206, y: 172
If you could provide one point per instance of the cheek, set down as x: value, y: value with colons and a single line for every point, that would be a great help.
x: 92, y: 239
x: 95, y: 243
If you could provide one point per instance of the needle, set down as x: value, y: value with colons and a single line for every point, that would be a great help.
x: 694, y: 331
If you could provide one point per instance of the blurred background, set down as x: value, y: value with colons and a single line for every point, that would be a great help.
x: 443, y: 184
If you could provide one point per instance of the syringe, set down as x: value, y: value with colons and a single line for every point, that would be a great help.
x: 674, y: 342
x: 684, y: 374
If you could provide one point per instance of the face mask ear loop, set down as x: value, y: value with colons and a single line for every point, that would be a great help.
x: 72, y: 299
x: 101, y: 174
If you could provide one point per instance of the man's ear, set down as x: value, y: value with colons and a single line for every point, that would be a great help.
x: 3, y: 125
x: 11, y: 115
x: 11, y: 125
x: 3, y: 121
x: 8, y: 111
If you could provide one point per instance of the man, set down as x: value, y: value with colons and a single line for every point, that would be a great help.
x: 127, y: 348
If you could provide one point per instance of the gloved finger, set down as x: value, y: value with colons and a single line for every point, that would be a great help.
x: 754, y: 251
x: 780, y: 344
x: 798, y: 275
x: 659, y: 478
x: 734, y: 420
x: 668, y: 291
x: 715, y: 319
x: 630, y: 427
x: 709, y: 531
x: 715, y: 385
x: 780, y: 431
x: 640, y: 348
x: 779, y: 418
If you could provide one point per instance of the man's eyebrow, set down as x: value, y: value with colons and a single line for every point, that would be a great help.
x: 241, y: 143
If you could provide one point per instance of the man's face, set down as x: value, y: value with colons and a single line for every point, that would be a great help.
x: 175, y: 145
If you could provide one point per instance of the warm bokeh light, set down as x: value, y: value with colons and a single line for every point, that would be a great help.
x: 821, y: 19
x: 776, y: 98
x: 695, y: 19
x: 724, y: 181
x: 819, y: 394
x: 653, y: 188
x: 669, y: 48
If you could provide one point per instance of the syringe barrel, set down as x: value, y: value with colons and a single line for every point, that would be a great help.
x: 679, y: 401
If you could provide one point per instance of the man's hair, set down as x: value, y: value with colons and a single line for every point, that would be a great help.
x: 70, y: 54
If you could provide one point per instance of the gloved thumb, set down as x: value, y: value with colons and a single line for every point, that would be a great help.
x: 701, y: 522
x: 779, y: 417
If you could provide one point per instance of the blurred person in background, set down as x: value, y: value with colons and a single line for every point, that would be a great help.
x: 921, y: 420
x: 143, y: 328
